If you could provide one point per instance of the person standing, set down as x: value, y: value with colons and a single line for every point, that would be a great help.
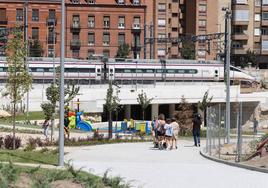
x: 45, y: 127
x: 196, y: 129
x: 176, y: 130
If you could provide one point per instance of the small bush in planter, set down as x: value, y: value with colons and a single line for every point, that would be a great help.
x: 8, y: 142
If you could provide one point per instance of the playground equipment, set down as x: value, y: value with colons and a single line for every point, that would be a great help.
x: 261, y: 150
x: 75, y: 121
x: 135, y: 126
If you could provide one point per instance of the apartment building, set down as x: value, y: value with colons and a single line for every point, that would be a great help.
x: 206, y: 17
x: 92, y: 26
x: 43, y: 21
x: 250, y: 30
x: 164, y: 19
x: 101, y: 26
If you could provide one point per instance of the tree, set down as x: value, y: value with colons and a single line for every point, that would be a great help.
x: 244, y: 60
x: 53, y: 96
x: 144, y: 102
x: 36, y: 49
x: 112, y: 103
x: 188, y: 50
x: 123, y: 51
x: 19, y: 80
x: 202, y: 105
x: 184, y: 115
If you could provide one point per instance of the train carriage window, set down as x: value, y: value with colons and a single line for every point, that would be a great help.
x: 50, y: 70
x: 139, y: 71
x: 180, y: 71
x: 127, y: 70
x: 234, y: 69
x: 159, y: 70
x: 192, y: 71
x: 119, y: 70
x: 1, y: 69
x: 39, y: 70
x: 170, y: 71
x: 149, y: 71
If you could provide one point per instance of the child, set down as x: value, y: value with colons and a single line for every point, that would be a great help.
x: 176, y: 130
x: 168, y: 133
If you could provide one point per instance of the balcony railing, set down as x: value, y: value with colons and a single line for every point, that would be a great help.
x: 75, y: 26
x: 136, y: 28
x: 75, y: 43
x: 51, y: 21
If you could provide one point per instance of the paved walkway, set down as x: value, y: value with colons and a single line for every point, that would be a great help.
x: 150, y: 168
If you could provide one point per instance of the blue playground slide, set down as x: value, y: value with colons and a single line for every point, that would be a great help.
x: 85, y: 126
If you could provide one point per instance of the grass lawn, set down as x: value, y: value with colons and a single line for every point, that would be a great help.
x: 48, y: 157
x: 9, y: 130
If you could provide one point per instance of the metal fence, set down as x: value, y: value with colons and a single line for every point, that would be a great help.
x: 216, y: 142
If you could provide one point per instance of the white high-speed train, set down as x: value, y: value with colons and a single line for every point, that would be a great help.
x: 131, y: 69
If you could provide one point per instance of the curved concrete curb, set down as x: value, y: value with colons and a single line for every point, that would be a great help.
x: 248, y: 167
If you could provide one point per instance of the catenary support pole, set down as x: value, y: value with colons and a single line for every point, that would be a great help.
x: 27, y: 54
x: 228, y: 53
x: 61, y: 132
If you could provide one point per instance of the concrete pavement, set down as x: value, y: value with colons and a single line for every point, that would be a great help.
x: 150, y: 168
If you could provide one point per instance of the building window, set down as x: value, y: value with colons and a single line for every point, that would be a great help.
x: 257, y: 17
x: 264, y: 2
x: 257, y: 2
x: 76, y: 21
x: 257, y: 31
x: 121, y: 2
x: 161, y: 35
x: 136, y: 2
x: 202, y: 8
x: 75, y: 54
x: 106, y: 53
x: 241, y: 2
x: 19, y: 14
x: 75, y: 1
x: 136, y: 23
x: 35, y: 15
x: 50, y: 51
x: 91, y: 21
x: 3, y: 14
x: 202, y: 24
x: 265, y: 16
x: 106, y: 39
x: 121, y: 22
x: 52, y: 14
x: 241, y: 15
x: 161, y: 22
x: 264, y: 45
x: 121, y: 39
x: 90, y: 1
x: 91, y: 38
x: 106, y: 21
x: 161, y: 7
x: 161, y: 52
x: 35, y: 33
x: 91, y: 53
x: 264, y: 31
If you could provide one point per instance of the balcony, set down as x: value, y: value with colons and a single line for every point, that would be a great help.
x: 136, y: 28
x: 235, y: 22
x: 75, y: 27
x: 136, y: 48
x: 3, y: 21
x: 239, y: 36
x: 75, y: 43
x: 51, y: 41
x: 241, y: 50
x: 264, y: 8
x: 264, y: 22
x: 51, y: 21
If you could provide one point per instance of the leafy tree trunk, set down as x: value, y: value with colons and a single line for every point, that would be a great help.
x: 143, y: 111
x: 205, y: 117
x: 14, y: 125
x: 110, y: 134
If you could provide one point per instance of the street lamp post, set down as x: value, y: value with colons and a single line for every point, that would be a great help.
x: 61, y: 131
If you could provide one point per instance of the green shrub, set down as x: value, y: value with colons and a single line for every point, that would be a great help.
x: 8, y: 175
